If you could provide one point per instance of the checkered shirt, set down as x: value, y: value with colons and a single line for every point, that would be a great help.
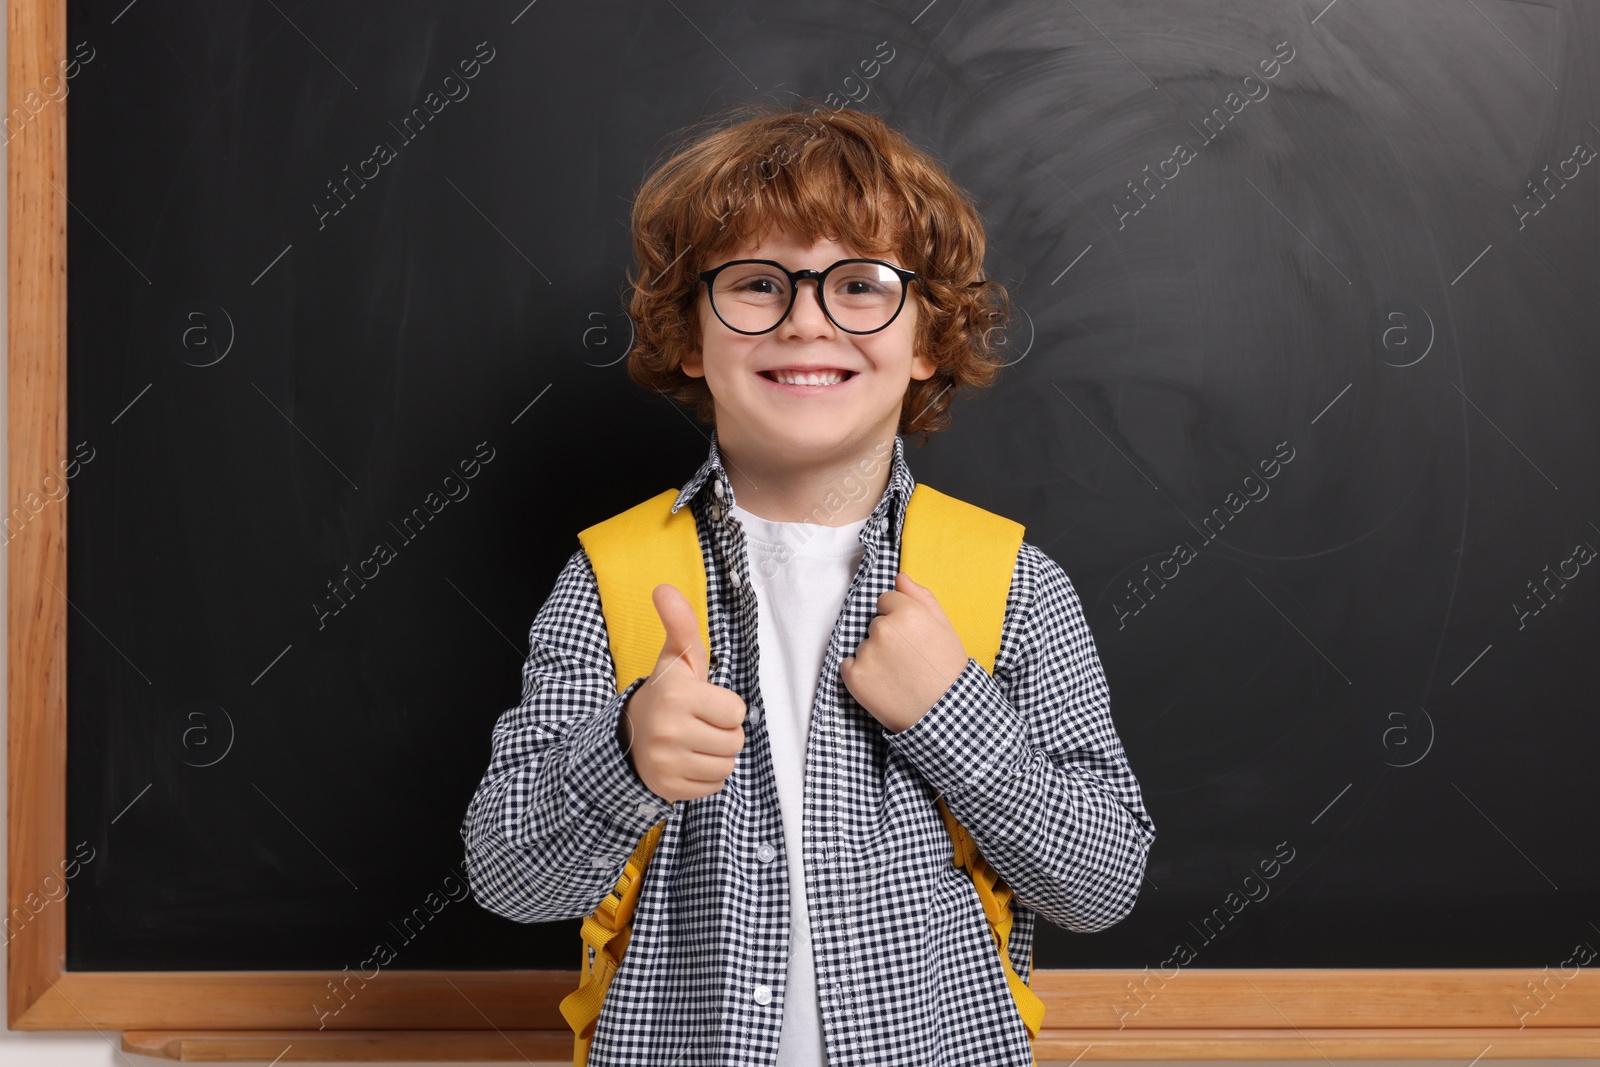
x: 907, y: 972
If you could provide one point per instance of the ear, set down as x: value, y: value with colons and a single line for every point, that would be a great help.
x: 693, y: 364
x: 922, y: 368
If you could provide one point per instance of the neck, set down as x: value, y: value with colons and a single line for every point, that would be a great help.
x: 831, y: 491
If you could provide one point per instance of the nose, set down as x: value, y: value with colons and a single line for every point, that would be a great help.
x: 807, y: 315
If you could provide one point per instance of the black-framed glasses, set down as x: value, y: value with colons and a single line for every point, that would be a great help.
x: 753, y: 296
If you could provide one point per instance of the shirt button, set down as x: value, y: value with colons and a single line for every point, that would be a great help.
x: 763, y: 994
x: 765, y: 853
x: 647, y: 807
x: 733, y: 576
x: 716, y: 487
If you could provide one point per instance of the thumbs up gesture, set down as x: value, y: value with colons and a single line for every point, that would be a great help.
x: 681, y: 732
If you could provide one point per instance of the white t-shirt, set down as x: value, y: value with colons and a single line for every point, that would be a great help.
x: 800, y: 572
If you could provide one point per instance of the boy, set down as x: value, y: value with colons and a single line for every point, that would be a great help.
x: 801, y: 906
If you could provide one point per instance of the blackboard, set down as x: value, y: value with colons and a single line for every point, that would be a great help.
x: 1302, y: 397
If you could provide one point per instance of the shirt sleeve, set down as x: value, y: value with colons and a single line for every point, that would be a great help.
x: 560, y: 808
x: 1029, y: 762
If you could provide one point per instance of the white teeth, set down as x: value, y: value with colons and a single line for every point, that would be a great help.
x: 813, y: 378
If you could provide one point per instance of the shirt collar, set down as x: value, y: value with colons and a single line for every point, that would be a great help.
x: 891, y: 506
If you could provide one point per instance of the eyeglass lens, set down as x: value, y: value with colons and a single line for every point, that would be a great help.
x: 858, y: 296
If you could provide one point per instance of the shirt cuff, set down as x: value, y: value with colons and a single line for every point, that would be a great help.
x: 607, y: 782
x: 970, y: 738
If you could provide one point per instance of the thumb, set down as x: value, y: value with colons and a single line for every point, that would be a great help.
x: 908, y: 585
x: 682, y: 625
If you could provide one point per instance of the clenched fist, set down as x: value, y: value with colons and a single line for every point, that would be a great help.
x: 910, y: 657
x: 681, y: 733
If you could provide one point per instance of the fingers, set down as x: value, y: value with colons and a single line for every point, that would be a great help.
x: 700, y: 774
x: 907, y: 591
x: 716, y: 744
x: 695, y: 729
x: 682, y: 626
x: 719, y: 707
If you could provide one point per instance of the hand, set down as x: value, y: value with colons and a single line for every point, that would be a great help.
x: 909, y: 658
x: 681, y: 733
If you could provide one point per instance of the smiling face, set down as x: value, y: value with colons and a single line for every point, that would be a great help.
x: 760, y: 418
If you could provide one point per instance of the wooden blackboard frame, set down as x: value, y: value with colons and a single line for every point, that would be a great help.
x: 514, y: 1015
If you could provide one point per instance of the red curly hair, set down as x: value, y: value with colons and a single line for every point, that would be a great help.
x: 816, y: 172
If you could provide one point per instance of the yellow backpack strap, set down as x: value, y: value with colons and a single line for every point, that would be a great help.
x: 964, y: 553
x: 631, y: 553
x: 966, y: 556
x: 606, y: 932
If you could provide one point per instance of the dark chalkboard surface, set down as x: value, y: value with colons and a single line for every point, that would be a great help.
x: 1303, y: 398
